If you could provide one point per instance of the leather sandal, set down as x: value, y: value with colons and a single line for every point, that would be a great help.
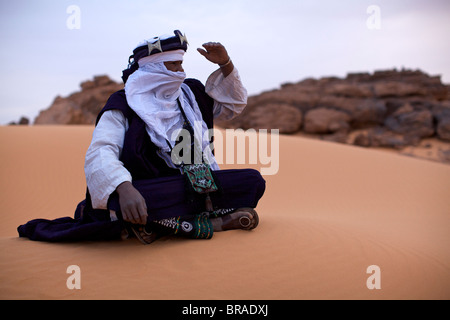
x: 242, y: 218
x: 144, y: 236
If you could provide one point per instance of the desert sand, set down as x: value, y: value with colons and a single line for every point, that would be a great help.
x: 330, y: 212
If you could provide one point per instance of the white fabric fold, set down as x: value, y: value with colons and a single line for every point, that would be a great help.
x: 174, y: 55
x: 230, y: 96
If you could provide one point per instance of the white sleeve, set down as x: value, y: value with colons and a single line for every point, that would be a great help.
x: 229, y: 94
x: 103, y: 169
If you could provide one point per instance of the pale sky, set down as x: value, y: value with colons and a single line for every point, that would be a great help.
x: 270, y: 42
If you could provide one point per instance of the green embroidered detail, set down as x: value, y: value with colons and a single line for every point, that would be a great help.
x: 200, y: 177
x: 203, y: 226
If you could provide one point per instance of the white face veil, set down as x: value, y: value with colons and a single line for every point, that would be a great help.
x: 152, y: 92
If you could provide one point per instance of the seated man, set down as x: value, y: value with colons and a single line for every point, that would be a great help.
x: 149, y: 169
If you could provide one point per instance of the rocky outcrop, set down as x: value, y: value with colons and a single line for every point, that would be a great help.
x: 80, y: 107
x: 326, y: 120
x: 284, y: 116
x: 388, y: 108
x: 441, y: 115
x: 23, y: 121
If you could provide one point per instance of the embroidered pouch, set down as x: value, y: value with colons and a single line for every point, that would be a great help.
x: 200, y: 177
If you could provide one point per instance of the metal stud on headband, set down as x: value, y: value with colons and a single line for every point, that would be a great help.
x: 152, y: 46
x: 156, y: 45
x: 181, y: 36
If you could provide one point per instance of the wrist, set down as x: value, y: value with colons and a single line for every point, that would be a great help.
x: 123, y: 187
x: 222, y: 65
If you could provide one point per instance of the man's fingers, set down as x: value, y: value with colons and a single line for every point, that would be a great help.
x: 135, y: 215
x: 143, y: 213
x: 212, y: 44
x: 202, y: 51
x: 128, y: 215
x: 142, y: 210
x: 139, y: 215
x: 214, y: 52
x: 132, y: 204
x: 209, y: 46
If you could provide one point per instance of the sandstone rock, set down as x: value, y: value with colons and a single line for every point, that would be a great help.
x: 23, y: 121
x: 80, y: 107
x: 354, y: 90
x: 441, y: 113
x: 398, y: 108
x: 399, y: 89
x: 347, y: 104
x: 412, y: 123
x: 324, y: 120
x: 369, y: 112
x: 444, y: 155
x: 381, y: 137
x: 358, y: 77
x: 443, y: 128
x: 338, y: 136
x: 284, y: 117
x: 362, y: 140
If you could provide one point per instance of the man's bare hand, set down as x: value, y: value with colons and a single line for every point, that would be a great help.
x: 132, y: 204
x: 214, y: 52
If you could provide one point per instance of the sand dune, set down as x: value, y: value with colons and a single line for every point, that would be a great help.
x: 329, y: 213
